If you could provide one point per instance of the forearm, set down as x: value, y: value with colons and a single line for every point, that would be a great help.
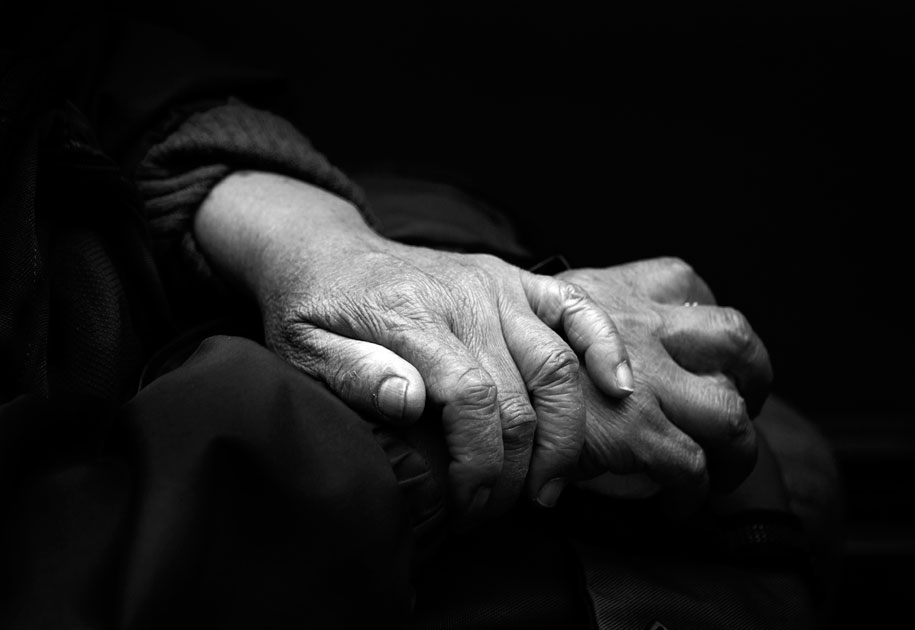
x: 179, y: 173
x: 256, y: 228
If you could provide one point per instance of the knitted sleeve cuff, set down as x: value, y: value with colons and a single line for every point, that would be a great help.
x: 178, y: 173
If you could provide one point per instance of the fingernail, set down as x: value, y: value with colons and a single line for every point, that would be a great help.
x: 624, y: 377
x: 549, y: 493
x: 391, y: 400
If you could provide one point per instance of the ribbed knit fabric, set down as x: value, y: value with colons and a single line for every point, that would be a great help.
x: 178, y: 173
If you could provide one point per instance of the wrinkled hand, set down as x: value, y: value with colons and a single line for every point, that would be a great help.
x: 393, y: 324
x: 389, y: 326
x: 701, y: 374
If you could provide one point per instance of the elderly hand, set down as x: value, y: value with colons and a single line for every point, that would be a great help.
x: 388, y: 326
x: 701, y: 374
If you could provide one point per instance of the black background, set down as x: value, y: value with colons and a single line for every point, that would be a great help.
x: 769, y: 146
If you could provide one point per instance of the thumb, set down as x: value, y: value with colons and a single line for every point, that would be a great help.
x: 368, y: 377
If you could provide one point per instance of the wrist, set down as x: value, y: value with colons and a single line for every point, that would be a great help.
x: 257, y: 229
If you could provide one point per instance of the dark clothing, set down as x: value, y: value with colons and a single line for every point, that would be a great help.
x: 161, y: 468
x: 124, y: 128
x: 113, y: 514
x: 233, y: 491
x: 209, y: 500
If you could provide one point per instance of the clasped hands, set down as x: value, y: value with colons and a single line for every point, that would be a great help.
x: 587, y: 377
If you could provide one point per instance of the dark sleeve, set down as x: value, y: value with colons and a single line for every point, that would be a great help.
x: 176, y: 174
x: 179, y: 118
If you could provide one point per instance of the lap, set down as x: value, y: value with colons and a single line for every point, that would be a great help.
x: 230, y: 491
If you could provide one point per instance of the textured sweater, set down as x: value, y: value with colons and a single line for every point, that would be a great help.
x: 177, y: 174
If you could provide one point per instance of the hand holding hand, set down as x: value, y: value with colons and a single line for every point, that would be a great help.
x: 701, y: 374
x: 389, y: 326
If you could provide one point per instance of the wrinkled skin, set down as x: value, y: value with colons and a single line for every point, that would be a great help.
x: 508, y: 387
x: 701, y: 375
x: 391, y: 327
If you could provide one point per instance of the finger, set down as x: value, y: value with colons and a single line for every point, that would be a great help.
x: 368, y: 377
x: 673, y: 459
x: 550, y: 369
x: 453, y: 380
x: 712, y: 412
x: 468, y: 396
x: 667, y: 280
x: 675, y: 462
x: 634, y: 436
x: 517, y: 416
x: 588, y: 328
x: 707, y: 339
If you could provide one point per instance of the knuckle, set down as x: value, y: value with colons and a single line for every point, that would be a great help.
x: 519, y: 423
x: 572, y: 293
x: 476, y: 389
x: 560, y: 366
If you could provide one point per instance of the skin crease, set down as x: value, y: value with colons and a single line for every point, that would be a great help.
x: 485, y: 342
x: 701, y: 375
x: 391, y: 327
